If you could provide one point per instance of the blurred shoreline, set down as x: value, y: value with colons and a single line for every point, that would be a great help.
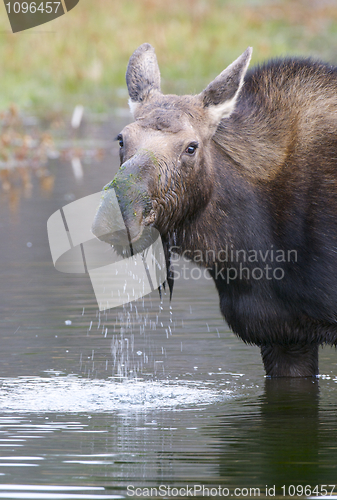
x: 82, y: 56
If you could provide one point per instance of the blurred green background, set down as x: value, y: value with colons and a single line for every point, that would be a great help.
x: 81, y: 57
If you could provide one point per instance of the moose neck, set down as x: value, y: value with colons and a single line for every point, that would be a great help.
x: 248, y: 159
x: 232, y: 218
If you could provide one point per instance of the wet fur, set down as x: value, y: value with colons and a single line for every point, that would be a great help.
x: 276, y: 184
x: 266, y: 178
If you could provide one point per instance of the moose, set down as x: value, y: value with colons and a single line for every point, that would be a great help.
x: 243, y: 178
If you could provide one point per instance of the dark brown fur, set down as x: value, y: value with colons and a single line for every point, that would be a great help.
x: 264, y: 176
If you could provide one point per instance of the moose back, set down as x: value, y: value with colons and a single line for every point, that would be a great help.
x: 242, y: 179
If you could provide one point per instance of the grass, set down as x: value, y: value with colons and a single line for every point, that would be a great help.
x: 82, y: 56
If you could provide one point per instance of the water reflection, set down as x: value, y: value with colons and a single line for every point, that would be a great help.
x: 28, y: 149
x: 36, y: 492
x: 290, y: 421
x: 278, y: 440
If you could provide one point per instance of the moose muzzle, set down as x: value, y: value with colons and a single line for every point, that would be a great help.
x: 130, y: 191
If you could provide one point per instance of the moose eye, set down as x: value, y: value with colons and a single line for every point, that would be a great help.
x: 191, y: 149
x: 120, y: 140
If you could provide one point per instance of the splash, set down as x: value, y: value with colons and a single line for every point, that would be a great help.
x: 73, y: 394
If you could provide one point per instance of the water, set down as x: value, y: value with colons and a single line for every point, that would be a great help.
x: 153, y: 395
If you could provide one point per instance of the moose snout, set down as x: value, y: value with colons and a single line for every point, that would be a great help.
x: 125, y: 205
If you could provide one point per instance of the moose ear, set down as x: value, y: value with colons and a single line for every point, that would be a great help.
x: 142, y: 75
x: 221, y: 94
